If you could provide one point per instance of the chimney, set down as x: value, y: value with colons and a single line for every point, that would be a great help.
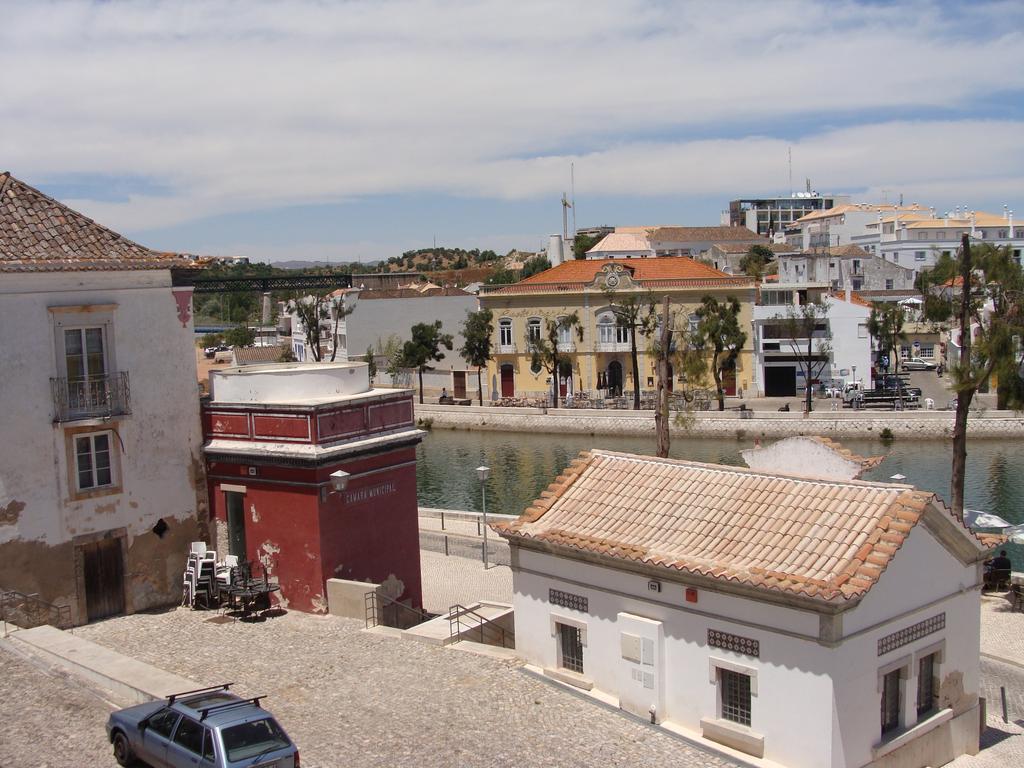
x: 555, y: 250
x: 1005, y: 209
x: 973, y: 224
x: 1011, y: 223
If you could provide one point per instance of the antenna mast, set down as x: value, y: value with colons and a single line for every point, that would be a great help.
x: 572, y: 188
x: 790, y: 151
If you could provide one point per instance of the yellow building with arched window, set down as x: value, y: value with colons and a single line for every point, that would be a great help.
x: 600, y: 363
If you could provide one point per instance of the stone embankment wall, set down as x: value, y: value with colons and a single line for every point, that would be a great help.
x: 924, y: 425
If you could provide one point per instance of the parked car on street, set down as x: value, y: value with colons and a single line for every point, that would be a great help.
x: 917, y: 364
x: 211, y: 351
x: 210, y: 727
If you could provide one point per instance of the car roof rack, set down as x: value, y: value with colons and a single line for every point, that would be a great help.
x: 175, y: 696
x: 205, y: 711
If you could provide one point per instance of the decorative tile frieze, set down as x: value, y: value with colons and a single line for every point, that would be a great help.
x: 568, y: 600
x: 745, y: 645
x: 911, y: 633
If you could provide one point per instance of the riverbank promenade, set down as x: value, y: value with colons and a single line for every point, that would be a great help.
x: 758, y: 417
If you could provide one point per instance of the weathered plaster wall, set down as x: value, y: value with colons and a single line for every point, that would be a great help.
x: 156, y: 448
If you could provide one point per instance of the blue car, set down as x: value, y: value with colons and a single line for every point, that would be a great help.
x: 207, y: 728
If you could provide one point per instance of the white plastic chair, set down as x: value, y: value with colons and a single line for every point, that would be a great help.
x: 198, y: 548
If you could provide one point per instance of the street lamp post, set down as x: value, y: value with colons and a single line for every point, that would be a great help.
x: 483, y: 473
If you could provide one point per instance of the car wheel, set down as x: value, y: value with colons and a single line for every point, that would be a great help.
x: 123, y: 750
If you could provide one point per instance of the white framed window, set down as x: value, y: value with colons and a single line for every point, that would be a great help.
x: 888, y: 284
x: 570, y: 647
x: 922, y: 235
x: 892, y: 700
x: 505, y: 332
x: 927, y: 350
x: 734, y: 696
x: 533, y: 329
x: 606, y: 329
x: 862, y: 330
x: 927, y: 684
x: 564, y: 332
x: 920, y: 255
x: 94, y: 466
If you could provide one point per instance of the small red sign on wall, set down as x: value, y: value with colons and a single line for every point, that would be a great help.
x: 691, y: 595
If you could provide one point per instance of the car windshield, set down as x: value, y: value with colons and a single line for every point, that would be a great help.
x: 251, y: 739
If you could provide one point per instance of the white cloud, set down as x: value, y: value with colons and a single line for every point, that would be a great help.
x: 237, y: 106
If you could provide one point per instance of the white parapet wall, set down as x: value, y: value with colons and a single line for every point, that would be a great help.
x: 288, y: 382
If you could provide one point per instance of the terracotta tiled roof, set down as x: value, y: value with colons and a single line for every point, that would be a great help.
x: 39, y: 234
x: 744, y: 247
x: 249, y: 355
x: 854, y: 251
x: 622, y: 241
x: 819, y: 539
x: 839, y: 210
x: 661, y: 268
x: 702, y: 234
x: 855, y: 298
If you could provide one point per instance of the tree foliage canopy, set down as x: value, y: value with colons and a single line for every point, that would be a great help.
x: 755, y: 261
x: 719, y: 336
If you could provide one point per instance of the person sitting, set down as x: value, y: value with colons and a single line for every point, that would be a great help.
x: 997, y: 576
x: 444, y: 395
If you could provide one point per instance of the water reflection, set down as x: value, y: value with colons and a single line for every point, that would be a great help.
x: 522, y: 465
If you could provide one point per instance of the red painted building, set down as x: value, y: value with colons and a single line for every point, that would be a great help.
x: 274, y: 434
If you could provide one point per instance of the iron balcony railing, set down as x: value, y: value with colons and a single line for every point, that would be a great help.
x: 95, y: 397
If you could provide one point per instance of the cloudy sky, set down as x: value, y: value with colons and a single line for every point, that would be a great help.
x: 349, y: 130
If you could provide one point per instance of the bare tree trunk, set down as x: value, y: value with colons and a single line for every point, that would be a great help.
x: 419, y: 372
x: 554, y: 376
x: 964, y: 394
x: 661, y: 413
x: 716, y: 374
x: 479, y: 387
x: 636, y: 368
x: 810, y: 368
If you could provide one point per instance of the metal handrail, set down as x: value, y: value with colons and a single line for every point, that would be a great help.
x: 24, y: 611
x: 457, y: 611
x: 374, y: 613
x: 92, y: 397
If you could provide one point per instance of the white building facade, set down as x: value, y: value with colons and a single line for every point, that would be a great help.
x: 839, y: 631
x: 101, y: 476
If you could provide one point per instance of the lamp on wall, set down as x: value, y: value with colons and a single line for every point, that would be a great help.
x: 483, y: 473
x: 339, y: 480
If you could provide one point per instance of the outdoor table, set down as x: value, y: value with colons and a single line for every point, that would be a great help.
x: 247, y: 593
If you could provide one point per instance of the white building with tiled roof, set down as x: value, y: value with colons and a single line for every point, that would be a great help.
x: 806, y: 621
x: 101, y: 479
x: 917, y: 241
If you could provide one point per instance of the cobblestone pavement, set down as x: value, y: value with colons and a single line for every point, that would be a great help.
x: 1002, y: 743
x: 48, y: 720
x: 360, y: 699
x: 451, y: 580
x: 1002, y: 629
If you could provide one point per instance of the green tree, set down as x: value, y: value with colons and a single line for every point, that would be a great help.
x: 538, y: 263
x: 502, y: 275
x: 719, y: 335
x: 886, y: 325
x: 756, y: 259
x: 990, y: 323
x: 211, y: 340
x: 424, y: 348
x: 544, y: 350
x: 240, y: 336
x: 636, y: 314
x: 391, y: 350
x: 312, y: 311
x: 799, y: 327
x: 583, y: 243
x: 673, y: 347
x: 478, y: 331
x: 371, y: 364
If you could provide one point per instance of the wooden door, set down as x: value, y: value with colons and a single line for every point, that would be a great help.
x: 103, y: 566
x: 729, y: 379
x: 459, y: 384
x: 508, y: 387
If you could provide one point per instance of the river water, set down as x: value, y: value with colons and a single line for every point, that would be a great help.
x: 522, y: 465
